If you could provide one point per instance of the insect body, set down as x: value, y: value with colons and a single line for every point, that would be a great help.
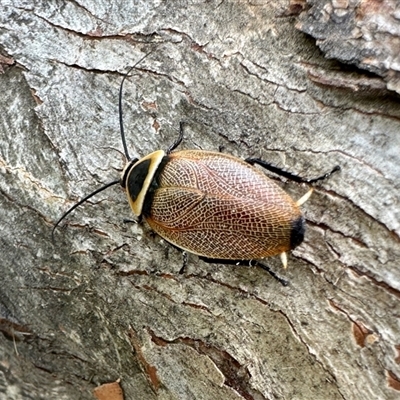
x: 213, y: 205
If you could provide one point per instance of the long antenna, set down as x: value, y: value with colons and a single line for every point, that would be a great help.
x: 107, y: 185
x: 121, y: 122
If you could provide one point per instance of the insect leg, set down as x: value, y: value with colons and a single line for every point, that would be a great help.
x: 282, y: 281
x: 177, y: 141
x: 289, y: 175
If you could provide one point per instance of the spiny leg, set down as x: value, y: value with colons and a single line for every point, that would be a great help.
x: 177, y: 141
x: 289, y: 175
x: 282, y: 281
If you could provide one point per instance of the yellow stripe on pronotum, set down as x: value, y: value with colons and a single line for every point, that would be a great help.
x: 212, y: 204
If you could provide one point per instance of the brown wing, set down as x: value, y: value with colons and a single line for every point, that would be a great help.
x: 217, y: 206
x: 218, y: 173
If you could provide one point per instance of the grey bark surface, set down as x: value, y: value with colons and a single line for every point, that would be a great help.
x: 361, y: 32
x: 105, y: 300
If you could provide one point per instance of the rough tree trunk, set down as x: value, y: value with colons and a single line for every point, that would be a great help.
x: 105, y: 300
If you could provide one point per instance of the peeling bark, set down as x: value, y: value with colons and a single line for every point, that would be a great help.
x: 365, y: 33
x: 105, y: 300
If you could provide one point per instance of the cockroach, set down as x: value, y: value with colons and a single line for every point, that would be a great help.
x: 212, y: 204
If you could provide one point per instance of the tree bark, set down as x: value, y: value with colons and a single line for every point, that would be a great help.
x: 105, y: 300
